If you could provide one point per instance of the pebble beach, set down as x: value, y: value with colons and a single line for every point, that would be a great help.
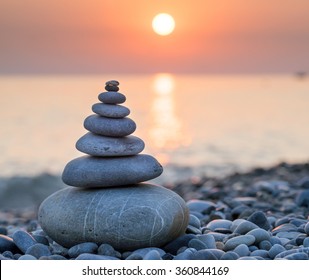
x: 258, y: 215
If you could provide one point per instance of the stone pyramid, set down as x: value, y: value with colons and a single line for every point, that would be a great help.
x: 107, y: 201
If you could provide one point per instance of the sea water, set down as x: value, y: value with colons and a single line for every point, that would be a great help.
x: 193, y: 124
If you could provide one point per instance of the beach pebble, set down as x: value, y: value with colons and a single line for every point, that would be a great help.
x: 144, y: 251
x: 192, y: 229
x: 259, y: 234
x: 186, y: 254
x: 194, y: 221
x: 134, y: 257
x: 97, y: 145
x: 152, y: 216
x: 265, y: 245
x: 235, y: 241
x: 242, y: 250
x: 260, y: 220
x: 87, y: 247
x: 245, y: 227
x: 200, y: 206
x: 229, y: 256
x: 112, y: 97
x: 306, y: 242
x: 23, y: 240
x: 152, y: 255
x: 27, y: 257
x: 8, y: 254
x: 302, y: 198
x: 57, y: 249
x: 7, y: 244
x: 109, y: 127
x: 111, y: 88
x: 182, y: 241
x: 208, y: 240
x: 110, y: 111
x: 89, y: 172
x: 297, y: 256
x: 53, y: 258
x: 219, y: 224
x: 108, y: 250
x: 197, y: 244
x: 87, y: 256
x: 260, y: 253
x: 307, y: 228
x: 38, y: 250
x: 275, y: 250
x: 3, y: 230
x: 208, y: 254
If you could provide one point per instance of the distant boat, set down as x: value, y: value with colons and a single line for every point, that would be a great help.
x: 301, y: 74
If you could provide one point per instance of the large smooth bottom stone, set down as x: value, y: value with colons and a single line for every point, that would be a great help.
x: 128, y: 218
x: 87, y: 171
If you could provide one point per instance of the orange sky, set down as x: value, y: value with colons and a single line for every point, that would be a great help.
x: 115, y: 36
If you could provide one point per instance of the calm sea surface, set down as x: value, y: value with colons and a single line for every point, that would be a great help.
x: 200, y: 124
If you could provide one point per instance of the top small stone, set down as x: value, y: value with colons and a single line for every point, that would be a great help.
x: 112, y: 85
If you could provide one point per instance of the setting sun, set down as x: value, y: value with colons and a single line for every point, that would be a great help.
x: 163, y: 24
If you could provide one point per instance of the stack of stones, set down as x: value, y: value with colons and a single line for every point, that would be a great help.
x: 107, y: 201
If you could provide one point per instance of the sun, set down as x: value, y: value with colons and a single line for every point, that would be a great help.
x: 163, y: 24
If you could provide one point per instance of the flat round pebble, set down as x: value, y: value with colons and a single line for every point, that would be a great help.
x: 112, y: 97
x: 275, y: 250
x: 152, y: 255
x: 259, y: 234
x: 110, y: 110
x: 194, y: 221
x: 260, y: 219
x: 86, y: 247
x: 242, y: 250
x: 23, y: 240
x: 229, y: 256
x: 38, y: 250
x: 103, y: 146
x: 27, y: 257
x: 245, y: 227
x: 108, y: 250
x: 307, y: 228
x: 208, y: 240
x: 87, y: 256
x: 235, y: 241
x: 215, y: 224
x: 109, y: 127
x: 89, y: 172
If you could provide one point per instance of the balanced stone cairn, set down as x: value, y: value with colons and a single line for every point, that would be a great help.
x: 107, y: 201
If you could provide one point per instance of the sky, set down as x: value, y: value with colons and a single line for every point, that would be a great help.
x: 115, y: 36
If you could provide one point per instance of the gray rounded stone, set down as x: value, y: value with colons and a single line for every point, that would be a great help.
x: 103, y: 146
x: 87, y: 247
x: 109, y: 127
x: 110, y: 110
x: 112, y: 97
x: 259, y: 234
x: 235, y: 241
x: 23, y: 240
x: 87, y: 171
x: 127, y: 218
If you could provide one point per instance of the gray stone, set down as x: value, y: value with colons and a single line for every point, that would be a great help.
x: 103, y: 146
x: 242, y: 250
x: 235, y: 241
x: 23, y: 240
x: 112, y: 83
x: 186, y: 254
x: 265, y: 245
x: 134, y: 257
x: 260, y: 220
x: 208, y: 240
x: 194, y: 221
x: 306, y: 242
x: 197, y: 244
x: 101, y: 172
x: 194, y: 230
x: 215, y: 224
x: 53, y: 258
x: 152, y: 255
x: 260, y: 253
x: 275, y: 250
x: 109, y: 127
x: 87, y: 256
x: 112, y: 97
x: 307, y: 228
x: 229, y: 256
x: 108, y: 250
x: 302, y: 198
x: 127, y: 218
x: 27, y: 257
x: 144, y: 251
x: 297, y: 256
x: 208, y: 254
x: 7, y: 244
x: 86, y: 247
x: 245, y: 227
x: 201, y: 206
x: 38, y: 250
x: 259, y: 234
x: 110, y: 111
